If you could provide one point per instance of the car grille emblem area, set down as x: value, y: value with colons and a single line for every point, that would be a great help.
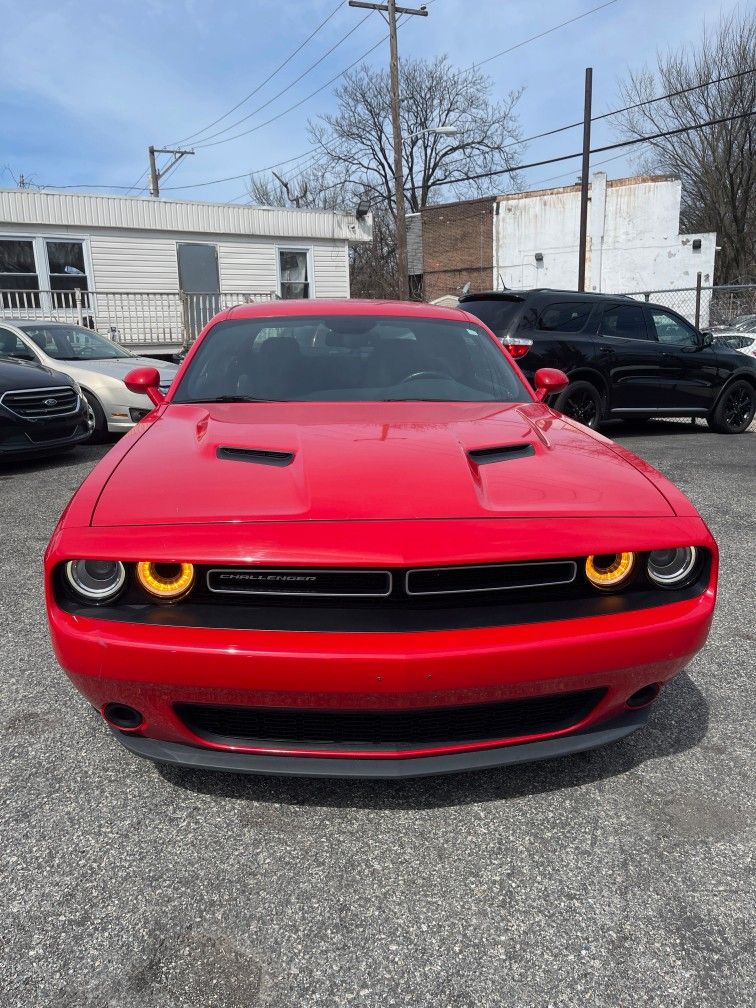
x: 51, y: 402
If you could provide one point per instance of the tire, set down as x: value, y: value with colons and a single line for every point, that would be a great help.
x: 735, y: 409
x: 581, y: 401
x: 100, y: 430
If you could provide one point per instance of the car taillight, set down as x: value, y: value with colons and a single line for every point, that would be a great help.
x: 517, y: 346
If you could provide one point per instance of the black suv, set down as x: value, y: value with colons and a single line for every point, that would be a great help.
x: 40, y: 410
x: 625, y: 358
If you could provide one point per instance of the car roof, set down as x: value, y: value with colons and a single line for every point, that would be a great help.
x: 344, y: 306
x: 21, y: 322
x: 522, y: 295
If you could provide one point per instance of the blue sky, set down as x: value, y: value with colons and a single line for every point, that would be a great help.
x: 86, y: 85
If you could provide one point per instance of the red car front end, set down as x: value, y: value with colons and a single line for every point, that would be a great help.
x: 375, y: 589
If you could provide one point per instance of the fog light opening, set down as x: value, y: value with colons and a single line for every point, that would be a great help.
x: 122, y: 716
x: 644, y: 696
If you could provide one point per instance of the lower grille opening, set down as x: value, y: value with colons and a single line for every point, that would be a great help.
x: 394, y: 730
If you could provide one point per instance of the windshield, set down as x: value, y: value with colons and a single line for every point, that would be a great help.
x: 73, y: 343
x: 349, y: 358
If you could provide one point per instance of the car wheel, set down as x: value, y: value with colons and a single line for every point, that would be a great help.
x: 100, y: 429
x: 582, y: 402
x: 735, y: 410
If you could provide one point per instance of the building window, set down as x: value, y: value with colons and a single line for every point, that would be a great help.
x: 19, y: 281
x: 68, y: 272
x: 294, y: 273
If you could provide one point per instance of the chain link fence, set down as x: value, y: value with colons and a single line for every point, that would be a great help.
x: 705, y: 306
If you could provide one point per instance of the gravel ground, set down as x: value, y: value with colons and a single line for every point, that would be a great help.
x: 616, y: 878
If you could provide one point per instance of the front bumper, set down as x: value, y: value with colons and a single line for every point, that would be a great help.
x: 155, y: 667
x: 176, y: 754
x: 20, y: 438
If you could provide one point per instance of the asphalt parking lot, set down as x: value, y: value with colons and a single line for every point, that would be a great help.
x: 616, y: 878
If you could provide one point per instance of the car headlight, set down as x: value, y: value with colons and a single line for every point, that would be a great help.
x: 97, y: 581
x: 165, y: 581
x: 672, y: 568
x: 609, y: 571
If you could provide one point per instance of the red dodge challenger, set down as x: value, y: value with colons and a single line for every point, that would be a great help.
x: 352, y: 541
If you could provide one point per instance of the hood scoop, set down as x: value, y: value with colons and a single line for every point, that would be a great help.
x: 500, y: 453
x: 257, y: 456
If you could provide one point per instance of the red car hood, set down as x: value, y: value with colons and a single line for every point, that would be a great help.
x: 362, y: 461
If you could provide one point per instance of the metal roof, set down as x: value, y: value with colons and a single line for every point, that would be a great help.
x: 122, y: 213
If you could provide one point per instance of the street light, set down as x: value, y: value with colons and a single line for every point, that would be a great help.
x: 439, y: 130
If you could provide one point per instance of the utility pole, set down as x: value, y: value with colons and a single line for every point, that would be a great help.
x: 391, y: 10
x: 583, y: 245
x: 156, y: 175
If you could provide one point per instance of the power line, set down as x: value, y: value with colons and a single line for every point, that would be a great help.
x: 288, y: 87
x: 601, y: 150
x: 291, y: 108
x: 309, y: 155
x: 196, y: 185
x: 540, y: 35
x: 269, y: 78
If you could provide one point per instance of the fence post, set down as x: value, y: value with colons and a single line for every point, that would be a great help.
x: 698, y: 300
x: 77, y: 299
x: 185, y: 326
x: 646, y: 297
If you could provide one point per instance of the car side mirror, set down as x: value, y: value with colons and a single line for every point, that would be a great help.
x: 548, y: 381
x: 707, y: 338
x: 145, y: 381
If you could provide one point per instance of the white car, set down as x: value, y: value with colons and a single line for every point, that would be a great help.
x: 741, y: 336
x: 95, y: 362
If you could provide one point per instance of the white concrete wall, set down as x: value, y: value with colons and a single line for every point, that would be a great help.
x: 633, y: 239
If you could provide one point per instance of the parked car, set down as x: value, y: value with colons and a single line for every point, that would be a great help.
x: 95, y: 362
x: 624, y: 358
x: 743, y: 342
x: 41, y: 410
x: 371, y: 553
x: 741, y: 323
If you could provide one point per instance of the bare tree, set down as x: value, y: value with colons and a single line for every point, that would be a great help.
x: 717, y: 164
x: 353, y: 156
x: 356, y: 139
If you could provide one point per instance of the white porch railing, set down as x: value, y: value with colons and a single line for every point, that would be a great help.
x: 133, y: 318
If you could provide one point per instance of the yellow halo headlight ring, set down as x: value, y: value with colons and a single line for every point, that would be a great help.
x: 609, y: 571
x: 165, y: 581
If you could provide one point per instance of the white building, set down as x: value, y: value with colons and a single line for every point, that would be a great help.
x: 531, y: 239
x: 634, y: 240
x: 152, y: 271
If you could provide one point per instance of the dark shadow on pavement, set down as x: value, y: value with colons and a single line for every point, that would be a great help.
x: 62, y: 459
x: 655, y: 428
x: 679, y: 721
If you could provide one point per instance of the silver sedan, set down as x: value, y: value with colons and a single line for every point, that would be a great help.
x: 97, y: 363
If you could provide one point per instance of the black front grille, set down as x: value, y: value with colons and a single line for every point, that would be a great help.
x: 393, y: 730
x: 489, y: 577
x: 296, y: 581
x: 42, y: 404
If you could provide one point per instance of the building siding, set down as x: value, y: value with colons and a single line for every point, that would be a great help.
x: 123, y: 213
x: 457, y: 247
